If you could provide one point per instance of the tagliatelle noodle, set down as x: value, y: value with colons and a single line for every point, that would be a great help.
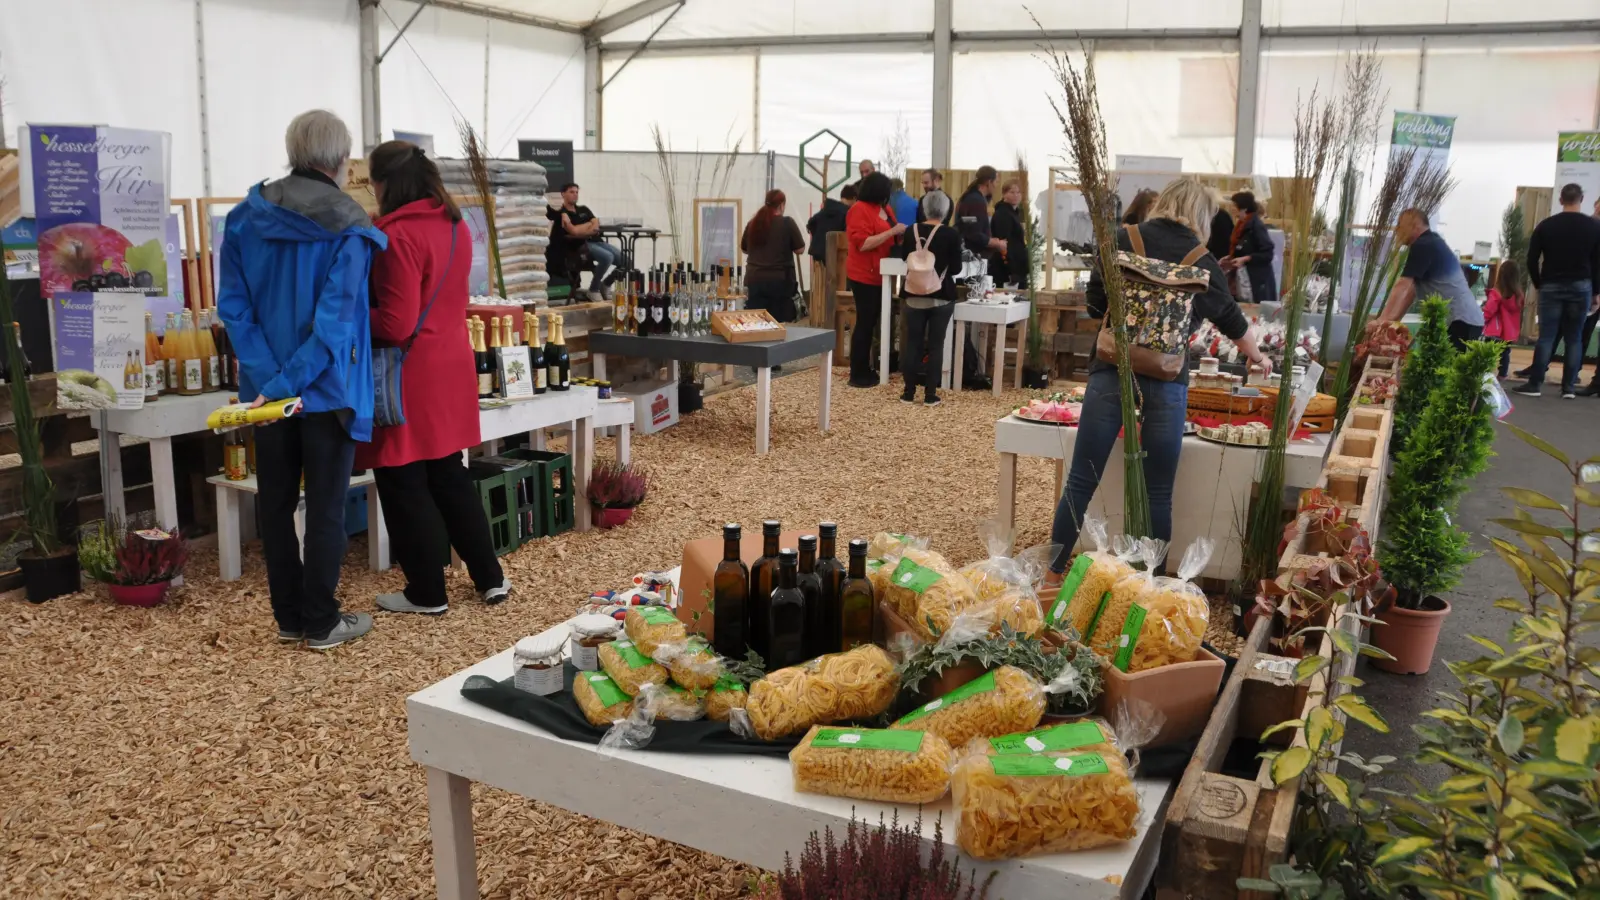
x: 857, y: 684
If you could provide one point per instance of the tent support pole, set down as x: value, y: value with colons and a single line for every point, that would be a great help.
x: 371, y: 101
x: 943, y: 60
x: 1244, y: 130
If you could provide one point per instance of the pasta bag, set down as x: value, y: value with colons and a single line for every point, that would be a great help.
x: 1006, y: 585
x: 1001, y: 701
x: 1086, y: 585
x: 1018, y: 805
x: 1173, y: 617
x: 692, y: 663
x: 600, y: 699
x: 886, y: 544
x: 727, y: 695
x: 652, y: 626
x: 630, y: 669
x: 871, y: 764
x: 1115, y: 631
x: 1083, y: 736
x: 669, y: 701
x: 856, y: 684
x: 928, y: 593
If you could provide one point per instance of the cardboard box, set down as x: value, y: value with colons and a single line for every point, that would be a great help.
x: 655, y: 405
x: 700, y: 560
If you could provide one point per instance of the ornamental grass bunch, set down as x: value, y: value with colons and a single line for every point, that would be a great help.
x: 615, y: 485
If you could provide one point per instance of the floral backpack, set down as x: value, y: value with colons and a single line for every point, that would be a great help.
x: 1159, y: 299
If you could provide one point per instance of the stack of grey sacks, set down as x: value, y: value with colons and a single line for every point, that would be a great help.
x: 522, y: 228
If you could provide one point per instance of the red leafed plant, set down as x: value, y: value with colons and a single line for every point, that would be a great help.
x: 147, y: 558
x: 882, y: 863
x: 616, y: 485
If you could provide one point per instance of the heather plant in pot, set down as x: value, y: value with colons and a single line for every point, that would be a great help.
x: 615, y: 489
x: 147, y: 562
x: 1423, y: 551
x: 871, y: 864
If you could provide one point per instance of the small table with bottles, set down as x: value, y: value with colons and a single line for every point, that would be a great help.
x: 798, y: 343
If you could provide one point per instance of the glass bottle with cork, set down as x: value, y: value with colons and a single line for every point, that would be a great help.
x: 856, y: 608
x: 541, y: 376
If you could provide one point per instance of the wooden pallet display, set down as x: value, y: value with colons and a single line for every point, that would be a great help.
x: 1219, y: 826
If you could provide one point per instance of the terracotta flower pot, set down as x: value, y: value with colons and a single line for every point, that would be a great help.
x: 140, y: 594
x: 611, y: 518
x: 1183, y: 693
x: 1409, y: 635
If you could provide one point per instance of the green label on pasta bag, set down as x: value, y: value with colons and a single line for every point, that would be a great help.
x: 984, y: 682
x: 1070, y: 736
x: 1131, y: 626
x: 606, y: 689
x: 1069, y: 587
x: 1035, y: 766
x: 657, y: 615
x: 913, y: 577
x: 874, y: 565
x: 728, y: 683
x: 1099, y: 610
x: 868, y: 739
x: 630, y: 654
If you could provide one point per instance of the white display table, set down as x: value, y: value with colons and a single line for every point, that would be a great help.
x: 1211, y: 497
x: 232, y: 530
x: 998, y: 315
x: 741, y: 807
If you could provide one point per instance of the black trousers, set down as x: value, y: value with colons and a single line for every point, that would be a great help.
x: 428, y: 505
x: 1460, y: 332
x: 776, y: 297
x: 303, y: 586
x: 869, y: 300
x: 925, y: 329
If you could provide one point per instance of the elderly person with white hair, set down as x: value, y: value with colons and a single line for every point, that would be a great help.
x: 293, y: 294
x: 930, y: 300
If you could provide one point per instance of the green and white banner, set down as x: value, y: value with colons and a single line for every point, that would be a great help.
x: 1577, y: 162
x: 1429, y: 135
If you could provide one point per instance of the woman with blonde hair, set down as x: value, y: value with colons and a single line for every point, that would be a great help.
x: 1170, y: 233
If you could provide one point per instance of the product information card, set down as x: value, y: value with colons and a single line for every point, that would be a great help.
x: 99, y: 350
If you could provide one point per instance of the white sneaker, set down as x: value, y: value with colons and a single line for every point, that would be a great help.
x: 496, y: 595
x: 398, y: 603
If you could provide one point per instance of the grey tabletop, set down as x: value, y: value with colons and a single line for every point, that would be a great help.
x: 798, y: 343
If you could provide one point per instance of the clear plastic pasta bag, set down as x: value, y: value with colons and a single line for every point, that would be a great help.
x: 1085, y: 586
x: 599, y: 698
x: 652, y: 626
x: 670, y: 701
x: 872, y: 764
x: 1125, y: 594
x: 692, y: 663
x: 630, y: 669
x: 1001, y: 701
x: 927, y: 592
x: 1012, y: 805
x: 1082, y: 736
x: 1174, y: 617
x: 727, y: 695
x: 883, y: 553
x: 1008, y: 585
x: 857, y: 684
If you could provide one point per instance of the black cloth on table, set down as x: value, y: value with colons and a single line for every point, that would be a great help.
x: 559, y: 715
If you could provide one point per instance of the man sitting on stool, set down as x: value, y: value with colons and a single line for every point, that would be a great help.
x: 576, y: 227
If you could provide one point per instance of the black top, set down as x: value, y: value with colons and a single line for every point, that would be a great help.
x: 560, y: 241
x: 1565, y: 248
x: 1221, y: 234
x: 1167, y: 240
x: 829, y: 218
x: 774, y: 259
x: 1007, y: 226
x: 946, y: 246
x: 972, y: 217
x: 1257, y: 249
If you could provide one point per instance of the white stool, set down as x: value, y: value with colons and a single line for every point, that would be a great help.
x: 229, y: 526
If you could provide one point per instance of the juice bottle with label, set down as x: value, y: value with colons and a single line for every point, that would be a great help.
x: 169, y: 354
x: 207, y: 351
x: 155, y: 369
x: 191, y: 366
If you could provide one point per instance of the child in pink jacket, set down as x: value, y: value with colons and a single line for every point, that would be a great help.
x: 1502, y: 311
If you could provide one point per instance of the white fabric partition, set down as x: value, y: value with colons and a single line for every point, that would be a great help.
x: 701, y: 103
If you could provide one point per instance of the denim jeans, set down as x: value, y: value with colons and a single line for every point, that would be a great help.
x: 1164, y: 407
x: 303, y: 583
x: 925, y: 329
x: 1562, y: 309
x: 602, y: 256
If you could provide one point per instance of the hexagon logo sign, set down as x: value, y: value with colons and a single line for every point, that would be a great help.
x: 819, y: 176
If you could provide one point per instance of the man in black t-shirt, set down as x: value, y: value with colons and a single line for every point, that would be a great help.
x: 573, y: 226
x: 1564, y: 264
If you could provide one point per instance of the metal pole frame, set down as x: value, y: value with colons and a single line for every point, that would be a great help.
x: 1244, y: 120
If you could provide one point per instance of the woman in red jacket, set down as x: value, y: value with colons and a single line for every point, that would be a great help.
x: 421, y: 478
x: 871, y: 231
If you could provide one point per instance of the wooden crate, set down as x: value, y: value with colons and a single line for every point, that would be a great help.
x: 722, y: 325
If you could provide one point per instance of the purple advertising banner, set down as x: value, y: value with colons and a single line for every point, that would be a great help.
x: 99, y: 350
x: 159, y: 306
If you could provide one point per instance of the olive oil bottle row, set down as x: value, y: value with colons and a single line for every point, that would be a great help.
x: 193, y: 356
x: 792, y: 604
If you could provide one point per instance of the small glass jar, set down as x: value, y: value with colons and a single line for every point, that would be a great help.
x: 605, y: 389
x: 588, y: 633
x: 536, y: 664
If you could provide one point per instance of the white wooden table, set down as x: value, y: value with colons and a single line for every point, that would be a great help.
x: 890, y: 268
x: 234, y: 527
x: 1210, y: 499
x: 739, y: 807
x: 574, y: 408
x: 997, y: 315
x: 158, y: 422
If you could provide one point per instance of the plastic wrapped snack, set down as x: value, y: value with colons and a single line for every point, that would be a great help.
x: 1084, y: 588
x: 1007, y: 585
x: 927, y: 592
x: 856, y: 684
x: 1084, y: 736
x: 692, y: 663
x: 872, y: 764
x: 998, y: 702
x: 1168, y: 623
x: 1008, y: 806
x: 652, y: 626
x: 726, y: 696
x: 883, y: 552
x: 629, y: 668
x: 669, y: 701
x: 1125, y: 595
x: 601, y: 700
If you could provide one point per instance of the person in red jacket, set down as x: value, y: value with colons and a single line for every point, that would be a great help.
x: 871, y: 231
x: 1502, y: 310
x: 422, y: 481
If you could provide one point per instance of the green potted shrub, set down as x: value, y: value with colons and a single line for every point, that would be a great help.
x: 147, y: 563
x: 1423, y: 371
x: 49, y: 566
x: 1422, y: 551
x: 615, y: 489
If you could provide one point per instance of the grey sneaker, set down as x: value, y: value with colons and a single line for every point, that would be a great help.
x: 496, y: 595
x: 397, y: 602
x: 286, y: 636
x: 350, y: 627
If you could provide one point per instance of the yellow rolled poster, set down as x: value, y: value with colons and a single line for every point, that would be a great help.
x: 238, y: 415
